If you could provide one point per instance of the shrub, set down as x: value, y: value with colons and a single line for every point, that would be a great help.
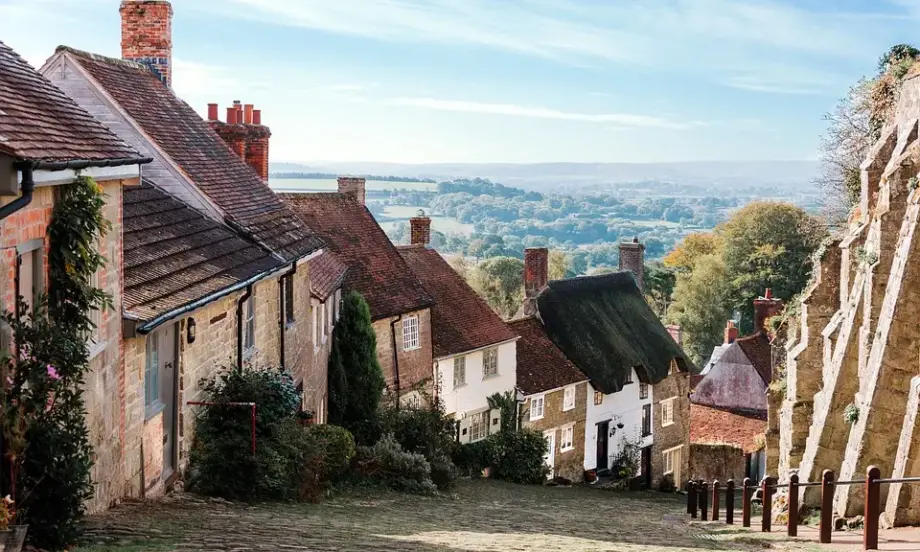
x: 444, y: 473
x: 427, y: 431
x: 387, y: 463
x: 474, y: 457
x: 520, y: 456
x: 666, y: 484
x: 327, y: 453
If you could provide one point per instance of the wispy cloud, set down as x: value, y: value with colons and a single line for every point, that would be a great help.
x: 538, y: 112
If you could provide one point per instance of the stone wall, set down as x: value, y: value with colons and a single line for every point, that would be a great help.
x: 676, y: 435
x: 568, y: 464
x: 416, y: 367
x: 722, y: 462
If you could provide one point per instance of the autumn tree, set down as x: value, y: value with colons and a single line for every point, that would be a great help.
x: 692, y: 247
x: 500, y: 281
x: 700, y: 306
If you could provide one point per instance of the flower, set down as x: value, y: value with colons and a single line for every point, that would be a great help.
x: 53, y: 373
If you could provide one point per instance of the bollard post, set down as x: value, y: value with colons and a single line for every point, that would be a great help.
x: 873, y: 503
x: 704, y: 512
x: 766, y: 491
x: 792, y: 521
x: 716, y: 489
x: 730, y: 502
x: 691, y: 498
x: 827, y: 506
x: 746, y: 490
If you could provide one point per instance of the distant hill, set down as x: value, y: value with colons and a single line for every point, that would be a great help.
x: 783, y: 176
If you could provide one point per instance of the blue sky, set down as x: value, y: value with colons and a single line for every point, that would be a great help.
x: 508, y: 81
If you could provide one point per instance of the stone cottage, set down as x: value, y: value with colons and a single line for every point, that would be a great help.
x: 47, y: 140
x: 475, y: 352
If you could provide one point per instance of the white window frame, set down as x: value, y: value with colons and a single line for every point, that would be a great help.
x: 30, y: 259
x: 668, y: 459
x: 643, y: 391
x: 152, y: 372
x: 459, y: 371
x: 314, y: 308
x: 322, y: 321
x: 490, y: 363
x: 598, y: 394
x: 667, y: 411
x: 568, y: 398
x: 479, y: 425
x: 338, y: 304
x: 290, y: 316
x: 249, y: 324
x: 537, y: 413
x: 567, y: 438
x: 410, y: 333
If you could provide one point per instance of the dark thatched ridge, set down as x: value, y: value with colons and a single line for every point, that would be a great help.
x: 603, y: 325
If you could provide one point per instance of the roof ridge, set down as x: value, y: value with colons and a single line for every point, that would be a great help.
x: 100, y: 57
x: 316, y: 195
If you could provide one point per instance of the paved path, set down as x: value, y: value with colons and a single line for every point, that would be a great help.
x: 480, y: 516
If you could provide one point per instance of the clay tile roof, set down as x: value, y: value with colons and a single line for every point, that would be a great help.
x: 541, y: 366
x: 714, y: 426
x: 460, y: 320
x: 327, y: 272
x: 38, y: 122
x: 174, y: 255
x: 186, y: 138
x: 375, y: 267
x: 759, y: 351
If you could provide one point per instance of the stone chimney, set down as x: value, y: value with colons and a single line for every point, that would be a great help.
x: 764, y: 308
x: 420, y: 229
x: 731, y: 332
x: 632, y: 258
x: 353, y: 186
x: 244, y: 133
x: 536, y: 270
x: 146, y: 35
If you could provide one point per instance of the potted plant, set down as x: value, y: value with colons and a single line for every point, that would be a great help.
x: 12, y: 537
x: 591, y: 476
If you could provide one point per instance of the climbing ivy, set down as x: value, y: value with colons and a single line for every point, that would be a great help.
x: 851, y: 413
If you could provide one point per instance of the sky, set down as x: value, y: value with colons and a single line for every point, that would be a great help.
x: 517, y: 81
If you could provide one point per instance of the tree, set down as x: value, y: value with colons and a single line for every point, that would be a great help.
x: 578, y: 264
x: 659, y: 287
x: 692, y: 247
x: 558, y: 264
x: 354, y: 351
x: 699, y: 307
x: 500, y: 281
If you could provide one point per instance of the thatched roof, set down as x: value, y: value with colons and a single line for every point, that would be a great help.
x: 603, y: 325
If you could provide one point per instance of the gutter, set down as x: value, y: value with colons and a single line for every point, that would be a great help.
x: 28, y: 188
x: 239, y: 325
x: 87, y: 163
x: 395, y: 357
x: 282, y: 315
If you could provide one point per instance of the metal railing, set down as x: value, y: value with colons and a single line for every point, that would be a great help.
x: 700, y: 492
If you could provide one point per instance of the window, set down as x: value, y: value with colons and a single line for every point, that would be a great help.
x: 643, y: 390
x: 489, y: 363
x: 536, y: 407
x: 288, y: 283
x: 338, y: 304
x: 152, y: 372
x: 322, y: 321
x: 315, y: 324
x: 330, y: 311
x: 459, y: 371
x: 414, y: 401
x: 95, y: 316
x: 646, y: 420
x: 567, y: 442
x: 671, y: 461
x: 667, y: 411
x: 568, y: 399
x: 410, y: 333
x: 629, y: 378
x: 479, y: 426
x: 249, y: 323
x: 31, y: 271
x: 598, y: 398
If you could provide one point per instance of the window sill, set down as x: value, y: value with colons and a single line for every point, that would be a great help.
x: 249, y: 353
x: 290, y: 325
x: 564, y: 409
x: 459, y: 386
x: 569, y: 449
x: 408, y: 349
x: 668, y: 472
x: 490, y: 376
x: 534, y: 419
x: 666, y: 424
x: 150, y: 411
x: 94, y: 348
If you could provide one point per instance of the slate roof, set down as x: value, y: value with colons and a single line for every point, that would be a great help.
x: 603, y: 325
x: 227, y: 180
x: 716, y: 426
x: 375, y: 267
x: 541, y: 366
x: 327, y: 273
x: 759, y: 351
x: 38, y: 122
x: 174, y: 255
x: 460, y: 319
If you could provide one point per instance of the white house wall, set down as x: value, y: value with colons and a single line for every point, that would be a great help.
x: 622, y: 407
x: 472, y: 396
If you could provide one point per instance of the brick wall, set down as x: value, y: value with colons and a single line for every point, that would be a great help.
x: 146, y: 35
x: 676, y: 434
x: 416, y: 367
x: 569, y: 464
x: 632, y: 258
x: 153, y: 455
x: 308, y: 363
x: 722, y: 462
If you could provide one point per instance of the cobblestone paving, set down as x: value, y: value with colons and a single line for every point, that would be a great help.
x: 479, y: 516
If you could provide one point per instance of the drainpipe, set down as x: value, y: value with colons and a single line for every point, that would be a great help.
x: 239, y: 325
x: 395, y: 357
x: 282, y: 318
x: 28, y: 187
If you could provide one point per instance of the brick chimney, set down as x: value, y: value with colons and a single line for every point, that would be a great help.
x: 353, y: 186
x: 632, y: 258
x: 244, y: 133
x: 676, y: 333
x: 731, y: 332
x: 536, y: 270
x: 765, y: 307
x: 146, y: 35
x: 420, y: 229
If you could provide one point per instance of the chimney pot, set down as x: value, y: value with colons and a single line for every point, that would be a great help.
x: 768, y: 294
x: 764, y: 308
x: 536, y: 270
x: 212, y: 111
x: 353, y: 186
x: 146, y: 35
x: 420, y: 229
x: 731, y: 332
x: 231, y: 115
x: 248, y: 117
x: 632, y: 258
x: 257, y: 116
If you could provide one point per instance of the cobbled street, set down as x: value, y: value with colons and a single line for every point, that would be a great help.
x: 477, y: 516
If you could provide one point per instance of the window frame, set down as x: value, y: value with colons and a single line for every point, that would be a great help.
x: 667, y: 411
x: 314, y: 323
x: 646, y: 420
x: 459, y: 368
x: 668, y: 460
x: 532, y: 410
x: 567, y: 446
x: 490, y: 363
x: 410, y: 333
x: 34, y: 251
x: 629, y: 377
x: 289, y: 316
x: 567, y: 394
x: 338, y: 304
x: 643, y: 391
x: 598, y: 398
x: 249, y: 321
x: 322, y: 322
x: 151, y: 374
x: 481, y: 421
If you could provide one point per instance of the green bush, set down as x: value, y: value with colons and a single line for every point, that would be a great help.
x: 520, y: 456
x: 387, y: 463
x: 427, y: 431
x: 472, y: 458
x: 666, y: 484
x: 327, y: 453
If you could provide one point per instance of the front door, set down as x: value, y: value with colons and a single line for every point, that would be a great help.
x: 168, y: 395
x: 647, y: 467
x: 550, y: 458
x: 603, y: 461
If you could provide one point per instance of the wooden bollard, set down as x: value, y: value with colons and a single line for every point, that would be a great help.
x: 873, y: 504
x: 827, y: 506
x: 746, y: 490
x: 792, y: 520
x: 716, y: 489
x: 704, y: 512
x: 730, y: 502
x: 766, y: 491
x: 691, y: 498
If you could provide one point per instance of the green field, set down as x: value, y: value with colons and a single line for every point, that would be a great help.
x: 330, y: 185
x: 394, y: 215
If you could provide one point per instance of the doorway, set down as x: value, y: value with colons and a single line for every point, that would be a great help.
x: 168, y: 394
x: 603, y: 460
x: 550, y: 458
x: 646, y: 467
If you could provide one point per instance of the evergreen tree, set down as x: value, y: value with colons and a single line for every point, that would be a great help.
x: 356, y: 380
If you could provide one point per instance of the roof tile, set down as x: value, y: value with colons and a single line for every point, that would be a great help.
x: 541, y: 366
x: 327, y: 273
